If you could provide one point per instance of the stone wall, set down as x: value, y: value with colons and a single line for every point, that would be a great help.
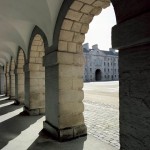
x: 7, y: 75
x: 35, y: 76
x: 12, y: 79
x: 20, y: 92
x: 134, y: 98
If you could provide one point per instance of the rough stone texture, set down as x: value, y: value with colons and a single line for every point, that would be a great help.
x: 85, y: 28
x: 65, y: 134
x: 134, y: 9
x: 19, y: 76
x: 62, y: 76
x: 96, y: 11
x: 73, y: 15
x: 78, y: 38
x: 67, y: 24
x: 2, y: 81
x: 86, y: 9
x: 76, y: 27
x: 12, y: 79
x: 139, y: 34
x: 66, y: 35
x: 77, y: 5
x: 87, y: 1
x: 7, y: 75
x: 64, y: 73
x: 134, y: 98
x: 86, y: 18
x: 62, y: 46
x: 72, y: 47
x: 35, y: 77
x: 103, y: 4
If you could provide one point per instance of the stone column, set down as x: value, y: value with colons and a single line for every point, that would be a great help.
x: 0, y: 81
x: 12, y: 83
x: 132, y: 37
x: 19, y: 82
x: 64, y: 95
x: 34, y: 89
x: 7, y: 75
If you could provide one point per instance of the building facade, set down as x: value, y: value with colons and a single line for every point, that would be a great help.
x: 100, y: 65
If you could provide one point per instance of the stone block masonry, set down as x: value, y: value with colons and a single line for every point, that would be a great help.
x: 134, y: 98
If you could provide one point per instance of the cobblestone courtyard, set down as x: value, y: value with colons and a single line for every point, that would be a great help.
x: 101, y: 111
x: 101, y: 117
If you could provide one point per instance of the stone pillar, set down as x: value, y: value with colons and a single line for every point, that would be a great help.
x: 4, y: 81
x: 64, y: 95
x: 19, y: 82
x: 132, y: 37
x: 34, y: 88
x: 12, y: 83
x: 0, y: 79
x: 7, y: 75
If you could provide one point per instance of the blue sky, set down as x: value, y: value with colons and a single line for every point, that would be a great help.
x: 100, y: 29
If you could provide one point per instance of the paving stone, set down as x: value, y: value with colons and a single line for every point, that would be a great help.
x: 102, y: 122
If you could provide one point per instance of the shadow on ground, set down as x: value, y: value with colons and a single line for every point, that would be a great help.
x: 48, y: 143
x: 8, y: 108
x: 12, y: 127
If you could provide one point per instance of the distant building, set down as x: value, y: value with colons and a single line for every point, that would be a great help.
x: 100, y: 65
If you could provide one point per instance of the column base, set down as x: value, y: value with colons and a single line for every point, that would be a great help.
x: 34, y: 112
x: 12, y: 98
x: 65, y: 134
x: 16, y: 102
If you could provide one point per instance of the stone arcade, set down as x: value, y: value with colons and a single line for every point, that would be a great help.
x: 41, y: 60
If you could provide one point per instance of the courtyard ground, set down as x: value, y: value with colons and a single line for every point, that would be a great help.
x: 101, y: 101
x: 21, y: 132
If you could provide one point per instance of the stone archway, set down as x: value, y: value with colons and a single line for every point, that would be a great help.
x: 64, y: 69
x: 19, y: 76
x: 35, y: 74
x: 98, y: 75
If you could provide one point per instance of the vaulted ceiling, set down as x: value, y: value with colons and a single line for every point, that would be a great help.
x: 18, y: 19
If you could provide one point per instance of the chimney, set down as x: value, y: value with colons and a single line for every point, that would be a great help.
x: 86, y: 46
x: 95, y: 47
x: 112, y: 50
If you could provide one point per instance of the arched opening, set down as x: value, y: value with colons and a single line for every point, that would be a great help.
x: 7, y: 78
x: 12, y: 79
x: 35, y: 77
x: 66, y: 115
x: 98, y: 75
x: 19, y: 75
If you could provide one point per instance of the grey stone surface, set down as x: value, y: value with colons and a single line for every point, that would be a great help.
x: 134, y: 98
